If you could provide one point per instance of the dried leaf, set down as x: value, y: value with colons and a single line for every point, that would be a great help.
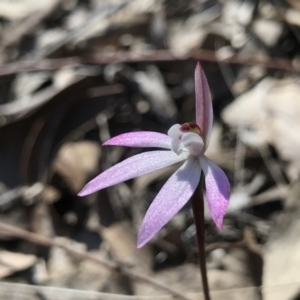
x: 11, y: 262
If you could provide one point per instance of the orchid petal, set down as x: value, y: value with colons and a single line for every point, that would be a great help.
x: 175, y: 134
x: 129, y: 168
x: 217, y: 190
x: 204, y: 110
x: 193, y: 142
x: 141, y: 139
x: 170, y: 199
x: 175, y: 131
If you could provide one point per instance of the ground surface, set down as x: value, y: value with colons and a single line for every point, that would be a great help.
x: 74, y: 73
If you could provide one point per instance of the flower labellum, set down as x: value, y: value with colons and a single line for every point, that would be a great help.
x: 186, y: 142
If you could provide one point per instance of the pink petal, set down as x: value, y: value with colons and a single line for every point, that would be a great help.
x: 217, y: 190
x: 129, y: 168
x: 204, y: 110
x: 141, y: 139
x: 170, y: 199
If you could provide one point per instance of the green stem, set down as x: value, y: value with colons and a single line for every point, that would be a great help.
x: 198, y: 210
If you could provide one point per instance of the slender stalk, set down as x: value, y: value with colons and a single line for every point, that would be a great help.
x: 198, y: 210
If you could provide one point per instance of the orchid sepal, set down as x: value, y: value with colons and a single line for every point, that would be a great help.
x: 204, y: 110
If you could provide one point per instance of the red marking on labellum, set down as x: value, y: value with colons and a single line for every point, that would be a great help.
x: 191, y: 127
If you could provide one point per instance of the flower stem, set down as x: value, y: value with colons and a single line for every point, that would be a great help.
x: 198, y: 210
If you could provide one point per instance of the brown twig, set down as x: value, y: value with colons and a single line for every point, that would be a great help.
x: 146, y: 56
x: 48, y: 242
x: 198, y: 210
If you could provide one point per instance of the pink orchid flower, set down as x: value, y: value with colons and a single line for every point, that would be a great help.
x: 186, y: 142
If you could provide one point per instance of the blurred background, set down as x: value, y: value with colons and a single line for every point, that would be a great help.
x: 73, y: 73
